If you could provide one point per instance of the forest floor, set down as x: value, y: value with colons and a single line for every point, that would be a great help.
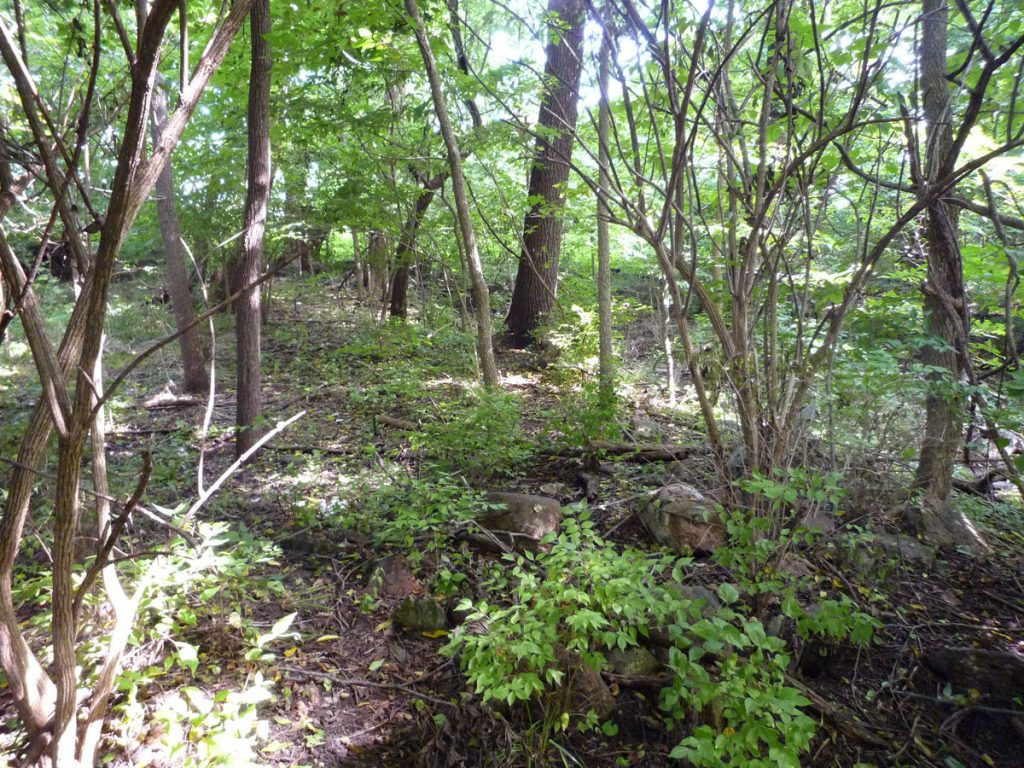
x: 349, y: 688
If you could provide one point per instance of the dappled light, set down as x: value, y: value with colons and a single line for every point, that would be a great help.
x: 494, y: 384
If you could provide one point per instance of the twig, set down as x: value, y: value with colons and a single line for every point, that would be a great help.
x: 205, y: 496
x: 355, y: 682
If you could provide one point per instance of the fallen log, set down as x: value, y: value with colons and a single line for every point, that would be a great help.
x: 391, y: 421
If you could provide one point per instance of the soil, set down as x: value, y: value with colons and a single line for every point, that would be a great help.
x: 356, y: 691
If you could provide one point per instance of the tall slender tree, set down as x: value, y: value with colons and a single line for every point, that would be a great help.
x: 536, y: 284
x: 193, y: 359
x: 481, y: 298
x: 248, y: 316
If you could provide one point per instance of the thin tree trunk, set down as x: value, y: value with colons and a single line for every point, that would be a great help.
x: 536, y: 284
x: 193, y: 360
x: 481, y: 298
x: 248, y: 316
x: 606, y: 354
x: 405, y: 252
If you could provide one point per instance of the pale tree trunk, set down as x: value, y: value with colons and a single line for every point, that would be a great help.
x: 484, y: 346
x: 606, y: 354
x: 537, y: 278
x: 248, y: 317
x: 945, y: 303
x: 193, y: 360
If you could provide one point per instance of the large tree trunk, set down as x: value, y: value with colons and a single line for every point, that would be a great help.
x: 537, y: 279
x: 945, y: 302
x: 193, y: 360
x: 248, y: 317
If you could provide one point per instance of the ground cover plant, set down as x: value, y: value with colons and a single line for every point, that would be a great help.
x: 485, y: 384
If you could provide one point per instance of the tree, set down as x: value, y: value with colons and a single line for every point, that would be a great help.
x: 536, y: 283
x: 48, y: 705
x: 946, y: 304
x: 193, y: 358
x: 481, y: 299
x: 248, y: 314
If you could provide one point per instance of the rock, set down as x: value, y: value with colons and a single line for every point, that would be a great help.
x: 906, y: 548
x: 997, y: 675
x: 583, y: 689
x: 420, y: 615
x: 521, y: 520
x: 632, y: 662
x: 678, y: 516
x: 394, y: 577
x: 591, y: 485
x: 557, y: 490
x: 817, y: 519
x: 705, y: 599
x: 795, y: 566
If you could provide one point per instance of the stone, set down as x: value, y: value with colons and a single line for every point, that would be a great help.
x: 906, y: 548
x: 705, y: 599
x: 394, y: 577
x: 793, y: 565
x: 997, y: 675
x: 583, y: 689
x: 633, y: 661
x: 421, y: 614
x: 520, y: 519
x: 681, y: 518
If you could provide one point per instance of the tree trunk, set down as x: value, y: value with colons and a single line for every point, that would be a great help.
x: 248, y: 317
x: 484, y: 347
x: 537, y: 279
x: 944, y: 303
x: 606, y: 354
x: 193, y: 359
x: 405, y: 252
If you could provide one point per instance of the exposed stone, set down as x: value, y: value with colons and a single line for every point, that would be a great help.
x: 632, y: 662
x: 997, y: 675
x: 583, y: 688
x: 521, y: 520
x: 678, y: 516
x: 795, y: 566
x: 906, y: 548
x: 420, y: 615
x: 394, y: 577
x: 705, y: 599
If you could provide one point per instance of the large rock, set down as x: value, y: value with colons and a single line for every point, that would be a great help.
x: 583, y: 689
x: 632, y: 662
x: 519, y: 520
x: 680, y: 517
x: 997, y: 675
x: 420, y: 615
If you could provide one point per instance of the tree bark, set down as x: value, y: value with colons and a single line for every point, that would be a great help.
x: 248, y: 317
x: 193, y: 359
x: 606, y: 354
x: 485, y: 349
x: 536, y: 284
x: 945, y: 302
x: 405, y: 252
